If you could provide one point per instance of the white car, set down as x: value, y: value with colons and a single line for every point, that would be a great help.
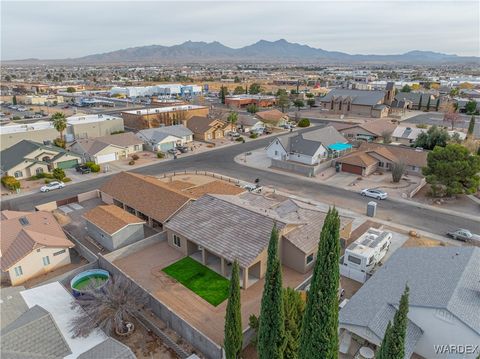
x: 233, y: 134
x: 374, y: 193
x: 252, y: 188
x: 52, y: 185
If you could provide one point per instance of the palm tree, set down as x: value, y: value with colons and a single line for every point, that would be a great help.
x: 108, y: 309
x: 232, y: 119
x: 59, y: 122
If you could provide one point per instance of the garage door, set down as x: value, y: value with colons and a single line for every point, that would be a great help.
x: 67, y: 164
x: 352, y: 169
x: 106, y: 158
x: 164, y: 147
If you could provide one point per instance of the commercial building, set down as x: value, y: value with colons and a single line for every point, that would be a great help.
x: 156, y: 117
x: 43, y: 100
x: 169, y: 90
x: 241, y: 101
x: 78, y: 126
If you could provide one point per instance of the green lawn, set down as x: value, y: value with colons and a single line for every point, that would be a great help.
x: 203, y: 281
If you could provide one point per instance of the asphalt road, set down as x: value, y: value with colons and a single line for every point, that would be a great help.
x: 222, y: 161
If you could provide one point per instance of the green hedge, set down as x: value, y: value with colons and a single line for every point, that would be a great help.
x: 93, y: 166
x: 304, y: 122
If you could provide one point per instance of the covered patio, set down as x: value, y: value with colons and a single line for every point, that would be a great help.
x: 248, y: 276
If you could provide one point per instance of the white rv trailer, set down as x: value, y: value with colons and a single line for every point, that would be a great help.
x: 368, y: 250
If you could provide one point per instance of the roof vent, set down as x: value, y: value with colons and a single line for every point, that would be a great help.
x: 24, y: 221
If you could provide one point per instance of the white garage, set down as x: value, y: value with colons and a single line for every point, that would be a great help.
x: 106, y: 158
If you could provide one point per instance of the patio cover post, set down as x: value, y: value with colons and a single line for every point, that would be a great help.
x: 204, y: 257
x: 222, y: 266
x: 245, y: 278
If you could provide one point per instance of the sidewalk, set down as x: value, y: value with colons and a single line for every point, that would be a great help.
x: 264, y: 163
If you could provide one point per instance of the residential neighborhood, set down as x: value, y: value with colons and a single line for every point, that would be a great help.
x: 267, y: 180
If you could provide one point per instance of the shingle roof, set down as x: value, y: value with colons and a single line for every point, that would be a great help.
x: 157, y: 134
x: 94, y: 145
x: 146, y: 194
x: 22, y: 235
x: 299, y: 144
x: 327, y: 136
x: 358, y: 97
x: 224, y: 228
x: 111, y: 218
x: 440, y: 278
x: 214, y: 187
x: 14, y: 155
x: 33, y: 335
x: 12, y: 305
x: 410, y: 133
x: 109, y: 348
x: 199, y: 124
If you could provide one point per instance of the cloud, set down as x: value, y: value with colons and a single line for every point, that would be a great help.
x: 45, y: 29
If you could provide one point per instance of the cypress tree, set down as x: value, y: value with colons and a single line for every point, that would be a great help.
x: 420, y: 104
x: 437, y: 105
x: 14, y: 100
x: 294, y: 307
x: 381, y: 352
x: 246, y: 89
x: 319, y: 334
x: 396, y: 338
x: 271, y: 329
x: 471, y: 126
x: 222, y: 94
x: 428, y: 104
x: 233, y: 318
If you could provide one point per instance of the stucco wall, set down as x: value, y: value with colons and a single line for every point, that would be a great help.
x: 293, y: 258
x: 9, y: 139
x: 276, y: 146
x: 96, y: 129
x: 32, y: 264
x: 128, y: 235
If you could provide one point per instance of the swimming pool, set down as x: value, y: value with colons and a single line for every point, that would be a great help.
x: 340, y: 146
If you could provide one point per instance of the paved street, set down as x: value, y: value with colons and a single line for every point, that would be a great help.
x: 221, y: 161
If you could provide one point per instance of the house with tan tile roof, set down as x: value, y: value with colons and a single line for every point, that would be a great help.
x: 218, y: 229
x: 371, y: 157
x: 32, y: 243
x: 113, y: 227
x: 273, y: 117
x: 146, y: 197
x: 108, y: 148
x: 207, y: 128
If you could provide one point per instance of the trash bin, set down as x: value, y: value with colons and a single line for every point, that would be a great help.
x: 371, y: 209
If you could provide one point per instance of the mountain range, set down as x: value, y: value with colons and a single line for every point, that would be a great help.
x: 280, y: 51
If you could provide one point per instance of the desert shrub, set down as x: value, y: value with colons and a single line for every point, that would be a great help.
x: 135, y: 157
x: 253, y: 135
x: 160, y: 155
x: 239, y: 139
x: 131, y: 163
x: 10, y: 182
x: 58, y: 174
x: 117, y: 132
x: 421, y: 125
x: 93, y: 166
x: 67, y: 179
x: 304, y: 122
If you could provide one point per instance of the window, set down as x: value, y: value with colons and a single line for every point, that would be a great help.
x: 388, y: 165
x: 39, y: 170
x: 46, y: 261
x: 18, y: 271
x: 380, y: 164
x: 276, y: 153
x: 18, y: 174
x: 176, y: 240
x: 310, y: 258
x: 355, y: 260
x: 59, y: 252
x: 137, y: 147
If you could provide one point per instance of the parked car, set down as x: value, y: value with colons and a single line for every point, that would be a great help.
x: 267, y: 130
x: 463, y: 235
x: 374, y: 193
x: 83, y: 169
x: 173, y: 151
x: 252, y: 187
x: 183, y: 149
x: 52, y: 185
x: 233, y: 134
x: 286, y: 126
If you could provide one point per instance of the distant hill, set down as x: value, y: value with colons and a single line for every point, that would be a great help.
x: 262, y: 51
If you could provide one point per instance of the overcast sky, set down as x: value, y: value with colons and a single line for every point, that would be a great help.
x: 57, y: 30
